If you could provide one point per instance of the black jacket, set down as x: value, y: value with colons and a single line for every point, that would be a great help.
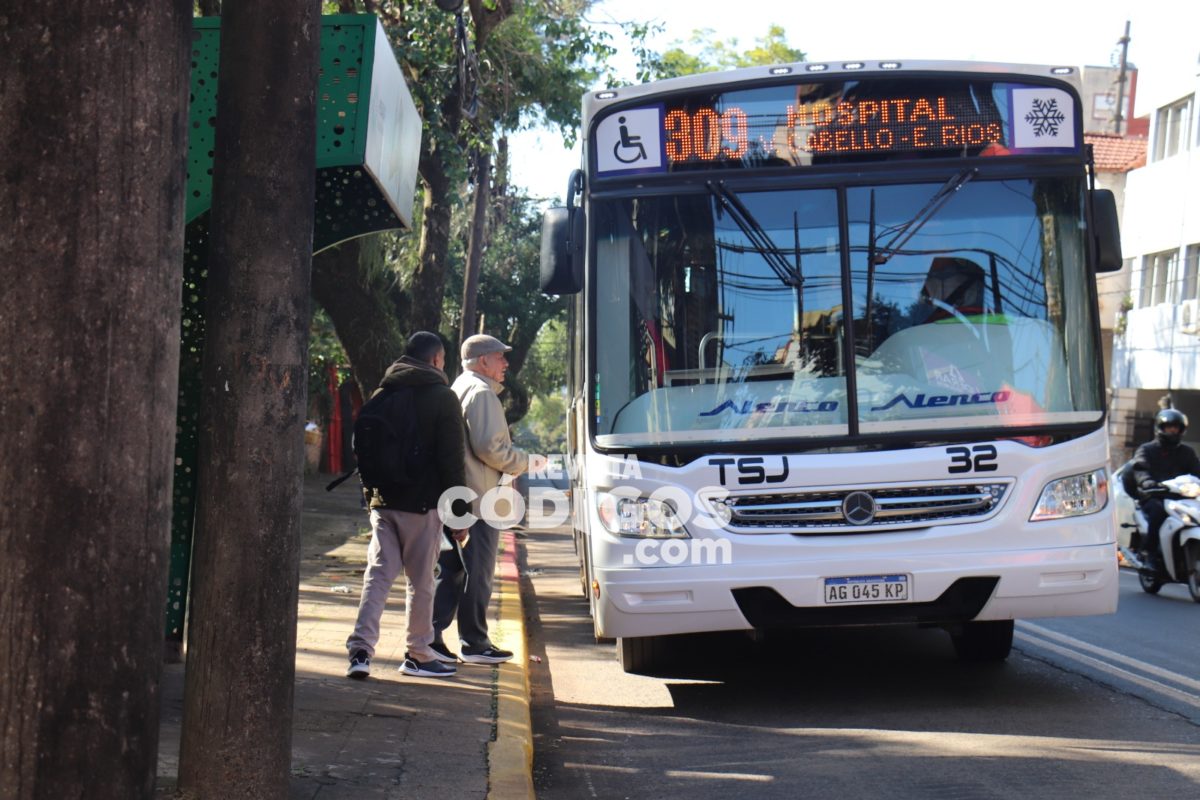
x: 1153, y: 463
x: 440, y: 430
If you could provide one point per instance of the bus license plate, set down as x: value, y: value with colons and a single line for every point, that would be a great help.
x: 867, y: 589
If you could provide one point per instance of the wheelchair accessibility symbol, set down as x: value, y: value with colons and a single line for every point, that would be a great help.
x: 630, y: 140
x: 629, y: 148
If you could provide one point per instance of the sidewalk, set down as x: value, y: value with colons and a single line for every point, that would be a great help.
x: 390, y: 736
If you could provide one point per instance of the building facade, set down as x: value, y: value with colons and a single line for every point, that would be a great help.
x: 1157, y: 334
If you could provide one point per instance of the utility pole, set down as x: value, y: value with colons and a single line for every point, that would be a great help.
x: 1122, y: 77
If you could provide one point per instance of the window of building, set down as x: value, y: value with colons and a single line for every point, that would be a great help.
x: 1190, y: 287
x: 1172, y: 125
x: 1156, y: 278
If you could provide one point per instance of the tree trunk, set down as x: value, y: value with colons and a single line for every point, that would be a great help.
x: 429, y: 278
x: 500, y: 173
x: 237, y: 726
x: 479, y: 218
x: 92, y: 177
x: 362, y: 315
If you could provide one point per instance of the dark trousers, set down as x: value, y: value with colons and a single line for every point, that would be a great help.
x: 470, y: 601
x: 1156, y: 515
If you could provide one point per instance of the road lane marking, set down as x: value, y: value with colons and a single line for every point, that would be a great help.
x: 1165, y: 674
x: 727, y: 776
x: 1066, y: 650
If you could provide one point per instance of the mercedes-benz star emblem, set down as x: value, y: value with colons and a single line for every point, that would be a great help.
x: 859, y: 508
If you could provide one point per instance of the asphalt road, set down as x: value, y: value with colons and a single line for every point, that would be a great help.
x: 1097, y: 707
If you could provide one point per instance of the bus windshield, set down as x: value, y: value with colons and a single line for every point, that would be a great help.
x: 721, y: 315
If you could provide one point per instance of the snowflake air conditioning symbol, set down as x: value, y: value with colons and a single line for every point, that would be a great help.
x: 1045, y: 117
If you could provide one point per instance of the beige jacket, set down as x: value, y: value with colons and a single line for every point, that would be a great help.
x: 490, y: 451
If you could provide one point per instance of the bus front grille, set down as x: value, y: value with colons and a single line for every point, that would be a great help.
x: 823, y: 512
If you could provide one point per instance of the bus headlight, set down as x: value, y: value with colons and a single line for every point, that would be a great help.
x: 644, y: 517
x: 1073, y: 496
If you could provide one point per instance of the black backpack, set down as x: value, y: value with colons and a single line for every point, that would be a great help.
x: 386, y: 444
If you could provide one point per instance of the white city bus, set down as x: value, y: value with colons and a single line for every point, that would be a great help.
x: 835, y: 356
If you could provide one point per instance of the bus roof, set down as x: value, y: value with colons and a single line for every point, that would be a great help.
x: 599, y: 99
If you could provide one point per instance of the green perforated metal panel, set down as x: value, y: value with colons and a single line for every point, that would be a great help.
x: 349, y: 203
x: 347, y: 50
x: 202, y: 114
x: 347, y: 53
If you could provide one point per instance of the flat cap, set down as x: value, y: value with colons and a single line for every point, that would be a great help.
x: 480, y: 345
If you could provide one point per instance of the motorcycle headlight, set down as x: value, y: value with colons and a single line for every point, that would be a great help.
x: 1191, y: 489
x: 644, y: 517
x: 1180, y: 510
x: 1072, y: 497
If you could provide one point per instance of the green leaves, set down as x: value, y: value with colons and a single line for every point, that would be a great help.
x: 705, y: 53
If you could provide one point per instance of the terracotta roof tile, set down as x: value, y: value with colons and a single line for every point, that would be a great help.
x: 1117, y: 153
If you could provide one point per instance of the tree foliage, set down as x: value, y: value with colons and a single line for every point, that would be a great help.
x: 544, y: 428
x: 538, y: 65
x: 325, y: 352
x: 545, y: 371
x: 705, y: 53
x: 510, y: 65
x: 511, y: 304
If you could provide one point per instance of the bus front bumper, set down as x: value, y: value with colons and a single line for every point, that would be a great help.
x: 1074, y: 581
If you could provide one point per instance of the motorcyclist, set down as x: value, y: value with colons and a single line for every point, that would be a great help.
x: 1163, y: 458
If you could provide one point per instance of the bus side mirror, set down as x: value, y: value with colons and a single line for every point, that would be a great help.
x: 1106, y: 231
x: 562, y: 251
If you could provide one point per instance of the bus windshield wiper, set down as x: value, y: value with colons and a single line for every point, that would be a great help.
x: 732, y: 205
x: 909, y: 229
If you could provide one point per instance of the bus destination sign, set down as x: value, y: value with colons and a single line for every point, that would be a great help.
x: 892, y: 125
x: 845, y: 122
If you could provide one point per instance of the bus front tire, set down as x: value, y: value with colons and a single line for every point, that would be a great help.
x: 984, y: 641
x: 640, y: 655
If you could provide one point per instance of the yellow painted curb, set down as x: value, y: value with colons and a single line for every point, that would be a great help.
x: 510, y: 756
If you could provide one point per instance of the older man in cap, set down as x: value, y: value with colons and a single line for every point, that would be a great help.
x: 490, y: 454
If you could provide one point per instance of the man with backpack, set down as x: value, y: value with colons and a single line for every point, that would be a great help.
x: 409, y: 444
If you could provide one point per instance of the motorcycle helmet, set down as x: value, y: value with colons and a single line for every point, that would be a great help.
x: 1169, y: 417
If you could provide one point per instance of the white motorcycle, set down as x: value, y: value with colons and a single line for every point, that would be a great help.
x: 1179, y: 538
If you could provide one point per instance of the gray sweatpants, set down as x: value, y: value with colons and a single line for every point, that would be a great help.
x: 469, y: 602
x: 399, y: 541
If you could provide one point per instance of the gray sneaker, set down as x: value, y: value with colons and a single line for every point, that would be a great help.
x: 427, y: 669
